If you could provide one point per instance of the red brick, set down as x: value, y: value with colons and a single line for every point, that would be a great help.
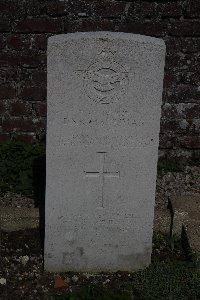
x: 193, y: 9
x: 166, y: 141
x: 86, y: 7
x: 5, y: 6
x: 33, y: 93
x: 7, y: 92
x: 3, y: 107
x: 13, y: 60
x: 1, y: 41
x: 172, y: 61
x: 27, y: 138
x: 189, y: 62
x: 169, y: 111
x: 152, y: 9
x: 185, y: 28
x: 173, y: 45
x: 190, y: 45
x: 30, y: 60
x: 191, y: 111
x: 40, y: 125
x: 19, y: 124
x: 25, y: 76
x: 91, y: 25
x: 4, y: 137
x: 40, y: 109
x: 171, y: 79
x: 109, y: 9
x: 24, y: 125
x: 5, y: 25
x: 171, y: 9
x: 56, y: 8
x: 182, y: 94
x: 195, y: 126
x: 40, y: 25
x: 39, y: 76
x: 20, y: 109
x: 168, y: 125
x: 9, y: 59
x: 26, y: 59
x: 143, y: 9
x: 181, y: 110
x: 36, y: 7
x: 192, y: 61
x: 18, y: 41
x: 9, y: 74
x: 40, y: 42
x: 190, y: 78
x: 157, y: 29
x: 13, y: 9
x: 189, y: 142
x: 15, y: 42
x: 174, y: 125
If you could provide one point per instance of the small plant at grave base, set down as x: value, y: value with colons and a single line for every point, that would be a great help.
x: 161, y: 280
x: 168, y: 281
x: 167, y: 248
x: 17, y: 164
x: 193, y: 259
x: 169, y: 277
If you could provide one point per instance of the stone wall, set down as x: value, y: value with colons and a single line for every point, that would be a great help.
x: 25, y: 26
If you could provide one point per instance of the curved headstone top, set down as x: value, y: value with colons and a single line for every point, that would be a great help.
x: 106, y: 34
x: 103, y: 120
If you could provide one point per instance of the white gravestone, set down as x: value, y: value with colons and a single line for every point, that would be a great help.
x: 104, y: 106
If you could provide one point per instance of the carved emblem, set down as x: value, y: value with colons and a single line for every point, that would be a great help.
x: 105, y: 79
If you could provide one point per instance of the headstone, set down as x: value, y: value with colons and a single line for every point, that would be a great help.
x: 103, y: 119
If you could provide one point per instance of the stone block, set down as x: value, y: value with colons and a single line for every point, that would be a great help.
x: 103, y: 120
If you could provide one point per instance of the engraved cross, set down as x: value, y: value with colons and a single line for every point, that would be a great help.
x: 102, y: 174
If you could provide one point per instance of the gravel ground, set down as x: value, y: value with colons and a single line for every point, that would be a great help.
x: 182, y: 183
x: 21, y: 255
x: 22, y: 275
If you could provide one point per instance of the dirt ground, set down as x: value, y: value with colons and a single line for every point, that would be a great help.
x: 21, y: 253
x: 21, y: 267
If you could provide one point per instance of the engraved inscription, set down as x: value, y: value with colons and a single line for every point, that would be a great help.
x: 105, y: 79
x: 88, y: 141
x: 102, y: 174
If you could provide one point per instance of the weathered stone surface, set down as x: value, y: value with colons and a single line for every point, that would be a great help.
x: 103, y: 118
x: 14, y: 219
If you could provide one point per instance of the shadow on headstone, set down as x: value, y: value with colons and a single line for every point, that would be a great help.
x: 39, y: 182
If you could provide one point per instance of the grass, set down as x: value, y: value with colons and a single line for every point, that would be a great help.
x: 171, y: 276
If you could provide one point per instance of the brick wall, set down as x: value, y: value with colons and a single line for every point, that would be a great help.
x: 25, y: 26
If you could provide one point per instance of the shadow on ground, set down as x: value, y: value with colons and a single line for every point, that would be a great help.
x: 39, y: 183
